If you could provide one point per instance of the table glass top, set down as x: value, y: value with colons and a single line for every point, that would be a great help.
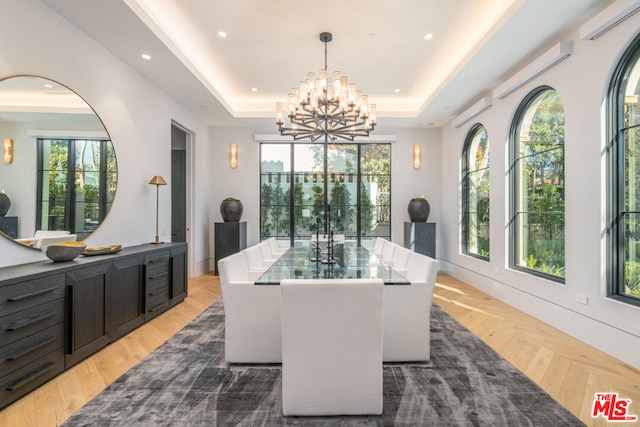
x: 351, y: 262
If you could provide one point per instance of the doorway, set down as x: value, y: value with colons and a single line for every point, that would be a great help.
x: 179, y: 144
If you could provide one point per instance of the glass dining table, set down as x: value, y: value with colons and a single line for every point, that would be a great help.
x: 351, y: 261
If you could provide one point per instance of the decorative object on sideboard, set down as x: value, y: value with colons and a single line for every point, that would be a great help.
x: 157, y: 181
x: 64, y: 251
x: 102, y: 250
x: 8, y: 150
x: 5, y: 203
x: 419, y: 209
x: 234, y: 156
x: 231, y: 210
x: 416, y: 156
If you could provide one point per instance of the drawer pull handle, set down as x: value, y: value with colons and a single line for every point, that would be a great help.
x: 157, y: 276
x: 31, y: 295
x: 161, y: 291
x: 30, y: 349
x: 28, y: 322
x: 154, y: 308
x: 46, y: 368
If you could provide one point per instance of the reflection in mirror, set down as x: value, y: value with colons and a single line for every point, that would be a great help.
x: 63, y: 177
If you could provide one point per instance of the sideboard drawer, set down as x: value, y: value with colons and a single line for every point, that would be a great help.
x: 19, y: 353
x: 27, y: 322
x: 20, y: 382
x: 30, y: 293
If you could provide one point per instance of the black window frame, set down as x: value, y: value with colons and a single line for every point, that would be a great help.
x: 615, y: 149
x: 514, y: 183
x: 70, y: 213
x: 291, y: 181
x: 473, y: 131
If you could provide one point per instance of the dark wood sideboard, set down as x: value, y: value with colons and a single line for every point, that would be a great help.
x: 53, y: 315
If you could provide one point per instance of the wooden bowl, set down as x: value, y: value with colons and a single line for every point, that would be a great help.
x: 64, y: 251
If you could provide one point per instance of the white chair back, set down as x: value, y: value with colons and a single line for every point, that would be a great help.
x: 377, y: 249
x: 254, y: 258
x: 276, y: 250
x: 233, y: 268
x: 332, y: 347
x: 265, y: 251
x: 387, y: 251
x: 400, y: 258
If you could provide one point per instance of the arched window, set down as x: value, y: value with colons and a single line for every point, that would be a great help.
x: 624, y: 177
x: 475, y: 193
x: 537, y: 185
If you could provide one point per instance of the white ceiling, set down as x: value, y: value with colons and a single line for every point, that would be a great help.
x: 378, y: 44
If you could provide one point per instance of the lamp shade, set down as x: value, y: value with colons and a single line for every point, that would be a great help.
x: 158, y: 180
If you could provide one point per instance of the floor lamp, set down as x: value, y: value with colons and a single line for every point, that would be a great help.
x: 157, y: 181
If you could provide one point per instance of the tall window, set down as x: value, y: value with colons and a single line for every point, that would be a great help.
x: 475, y: 193
x: 624, y: 178
x: 292, y: 190
x: 537, y: 185
x: 76, y: 184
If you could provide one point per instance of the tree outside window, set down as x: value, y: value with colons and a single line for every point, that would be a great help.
x: 475, y: 193
x: 358, y: 183
x: 537, y: 177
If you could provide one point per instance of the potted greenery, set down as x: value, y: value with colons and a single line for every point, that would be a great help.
x: 419, y: 209
x: 5, y: 203
x: 231, y: 209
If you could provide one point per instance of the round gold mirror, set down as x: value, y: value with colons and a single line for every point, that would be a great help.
x: 58, y: 175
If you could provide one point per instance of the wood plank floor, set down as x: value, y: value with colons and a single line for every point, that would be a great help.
x: 569, y: 370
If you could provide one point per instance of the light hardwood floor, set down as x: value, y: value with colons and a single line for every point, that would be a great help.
x: 569, y: 370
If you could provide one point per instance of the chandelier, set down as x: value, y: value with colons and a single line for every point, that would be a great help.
x: 329, y: 107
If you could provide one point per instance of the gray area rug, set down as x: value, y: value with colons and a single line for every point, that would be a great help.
x: 186, y: 382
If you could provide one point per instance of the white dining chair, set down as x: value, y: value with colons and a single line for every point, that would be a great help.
x: 407, y: 312
x: 332, y: 346
x: 251, y: 315
x: 387, y: 251
x: 276, y: 251
x: 379, y: 245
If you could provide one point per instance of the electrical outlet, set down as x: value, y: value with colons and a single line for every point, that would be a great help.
x: 496, y: 270
x: 582, y: 298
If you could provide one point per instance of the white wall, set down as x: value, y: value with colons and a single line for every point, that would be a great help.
x: 406, y: 182
x: 582, y: 81
x: 35, y: 40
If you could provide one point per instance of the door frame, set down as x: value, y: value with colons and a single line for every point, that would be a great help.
x: 190, y: 183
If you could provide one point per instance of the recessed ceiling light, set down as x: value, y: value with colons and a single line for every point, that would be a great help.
x: 48, y: 86
x: 146, y: 56
x: 428, y: 36
x: 396, y: 90
x: 254, y: 89
x: 222, y: 34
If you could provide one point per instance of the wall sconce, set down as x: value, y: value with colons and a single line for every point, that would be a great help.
x: 416, y: 156
x: 8, y: 150
x: 157, y: 181
x: 234, y: 156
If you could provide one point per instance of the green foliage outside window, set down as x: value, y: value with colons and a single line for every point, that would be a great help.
x: 303, y: 213
x: 540, y: 195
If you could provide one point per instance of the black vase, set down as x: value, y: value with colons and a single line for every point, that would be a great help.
x: 5, y: 204
x: 231, y: 210
x: 419, y: 210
